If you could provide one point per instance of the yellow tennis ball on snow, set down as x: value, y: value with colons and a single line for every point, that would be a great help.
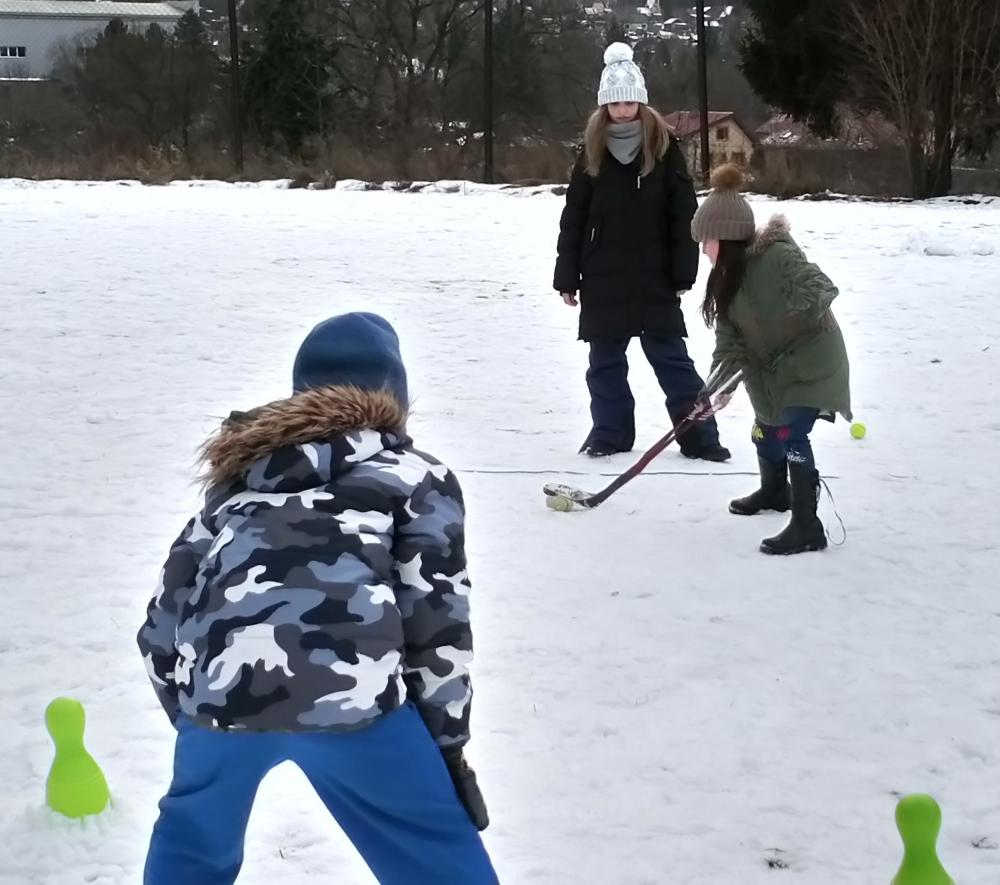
x: 559, y: 502
x: 858, y: 430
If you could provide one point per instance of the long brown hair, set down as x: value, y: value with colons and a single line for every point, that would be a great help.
x: 725, y: 280
x: 655, y: 139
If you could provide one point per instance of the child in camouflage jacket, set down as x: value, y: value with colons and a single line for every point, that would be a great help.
x: 317, y: 610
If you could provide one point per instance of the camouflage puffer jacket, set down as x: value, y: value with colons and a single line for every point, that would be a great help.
x: 323, y: 583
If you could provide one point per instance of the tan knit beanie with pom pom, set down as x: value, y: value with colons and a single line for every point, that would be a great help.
x: 724, y: 214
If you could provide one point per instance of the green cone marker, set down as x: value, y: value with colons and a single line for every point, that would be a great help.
x: 918, y: 819
x: 76, y: 786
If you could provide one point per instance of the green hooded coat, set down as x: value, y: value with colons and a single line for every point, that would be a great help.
x: 782, y: 331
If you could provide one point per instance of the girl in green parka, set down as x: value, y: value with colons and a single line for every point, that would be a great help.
x: 771, y: 311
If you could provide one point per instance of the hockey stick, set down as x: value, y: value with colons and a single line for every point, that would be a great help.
x: 715, y: 396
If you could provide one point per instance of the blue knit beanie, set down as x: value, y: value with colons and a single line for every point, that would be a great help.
x: 360, y: 349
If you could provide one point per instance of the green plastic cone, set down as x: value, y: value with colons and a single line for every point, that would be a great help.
x: 918, y: 819
x: 76, y: 786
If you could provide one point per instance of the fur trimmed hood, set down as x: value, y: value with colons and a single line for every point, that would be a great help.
x: 316, y: 415
x: 776, y: 229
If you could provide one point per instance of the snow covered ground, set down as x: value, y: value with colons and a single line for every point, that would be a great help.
x: 657, y: 703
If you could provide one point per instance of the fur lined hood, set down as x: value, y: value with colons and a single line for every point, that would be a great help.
x: 313, y: 416
x: 778, y: 228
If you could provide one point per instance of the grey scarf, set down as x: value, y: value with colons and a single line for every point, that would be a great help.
x: 625, y: 141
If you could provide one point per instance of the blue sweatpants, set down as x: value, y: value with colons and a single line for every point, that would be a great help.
x: 612, y: 406
x: 386, y: 785
x: 789, y: 439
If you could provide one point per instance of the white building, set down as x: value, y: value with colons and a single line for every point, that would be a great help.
x: 31, y: 31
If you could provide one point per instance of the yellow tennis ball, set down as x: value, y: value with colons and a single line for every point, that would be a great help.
x: 858, y: 430
x: 559, y: 502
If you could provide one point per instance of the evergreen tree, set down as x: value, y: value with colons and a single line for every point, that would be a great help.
x: 288, y: 76
x: 795, y: 61
x: 194, y: 74
x: 615, y: 32
x: 122, y: 78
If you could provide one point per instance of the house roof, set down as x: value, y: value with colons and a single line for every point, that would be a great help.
x: 783, y: 130
x: 857, y: 132
x: 685, y: 123
x: 98, y: 9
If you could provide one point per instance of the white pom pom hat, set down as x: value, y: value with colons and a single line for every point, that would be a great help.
x: 622, y: 80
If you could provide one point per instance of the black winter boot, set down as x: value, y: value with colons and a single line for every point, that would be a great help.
x: 714, y: 452
x: 599, y: 450
x: 691, y: 446
x: 774, y: 492
x: 805, y: 532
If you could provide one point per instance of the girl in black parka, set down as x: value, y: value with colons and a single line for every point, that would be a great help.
x: 625, y: 248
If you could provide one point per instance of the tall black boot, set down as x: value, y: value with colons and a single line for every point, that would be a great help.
x: 805, y: 532
x: 774, y: 492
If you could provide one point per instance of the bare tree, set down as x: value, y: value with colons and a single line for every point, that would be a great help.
x: 548, y: 66
x: 932, y: 68
x: 399, y: 57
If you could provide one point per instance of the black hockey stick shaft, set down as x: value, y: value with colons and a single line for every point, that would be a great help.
x: 725, y: 379
x: 703, y: 410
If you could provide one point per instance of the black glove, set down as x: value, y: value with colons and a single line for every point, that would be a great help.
x: 464, y: 779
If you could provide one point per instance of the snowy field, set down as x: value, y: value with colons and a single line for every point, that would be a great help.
x: 657, y: 703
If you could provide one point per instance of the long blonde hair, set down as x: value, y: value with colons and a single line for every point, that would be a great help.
x: 655, y: 139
